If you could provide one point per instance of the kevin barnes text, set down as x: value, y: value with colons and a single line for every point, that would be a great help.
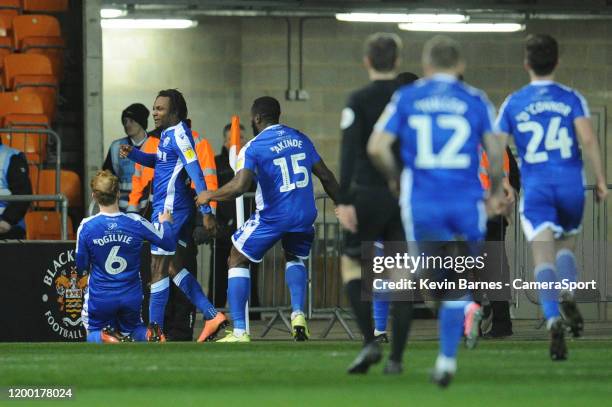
x: 405, y: 284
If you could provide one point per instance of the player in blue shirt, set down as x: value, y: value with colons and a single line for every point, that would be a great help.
x: 440, y: 123
x: 547, y: 120
x: 282, y: 161
x: 175, y: 163
x: 108, y: 248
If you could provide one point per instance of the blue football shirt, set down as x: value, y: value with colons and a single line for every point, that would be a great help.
x: 281, y: 159
x: 440, y: 123
x: 109, y: 246
x: 540, y: 117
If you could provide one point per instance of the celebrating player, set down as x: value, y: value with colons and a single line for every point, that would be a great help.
x: 545, y: 120
x: 440, y: 123
x: 282, y: 160
x: 171, y: 192
x: 108, y: 246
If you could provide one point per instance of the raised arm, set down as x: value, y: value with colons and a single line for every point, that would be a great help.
x: 162, y: 236
x: 134, y: 154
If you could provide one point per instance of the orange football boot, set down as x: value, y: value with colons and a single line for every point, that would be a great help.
x: 212, y: 327
x: 154, y: 333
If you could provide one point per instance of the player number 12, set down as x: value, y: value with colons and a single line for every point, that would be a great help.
x: 297, y: 169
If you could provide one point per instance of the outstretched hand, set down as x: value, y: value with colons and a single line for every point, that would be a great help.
x: 124, y: 150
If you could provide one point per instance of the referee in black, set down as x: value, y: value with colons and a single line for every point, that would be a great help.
x: 366, y: 208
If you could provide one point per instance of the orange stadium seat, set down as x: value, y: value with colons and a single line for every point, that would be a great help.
x: 19, y: 103
x: 50, y: 6
x: 70, y: 185
x: 10, y: 7
x: 6, y: 25
x: 40, y: 34
x: 33, y: 171
x: 33, y: 145
x: 32, y: 73
x: 46, y: 225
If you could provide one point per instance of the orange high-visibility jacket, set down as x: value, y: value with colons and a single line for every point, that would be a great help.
x: 206, y: 158
x: 483, y: 172
x: 144, y: 175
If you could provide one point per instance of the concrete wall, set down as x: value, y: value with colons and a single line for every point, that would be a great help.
x: 224, y: 63
x: 203, y: 63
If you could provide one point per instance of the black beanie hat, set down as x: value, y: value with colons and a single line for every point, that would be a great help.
x: 137, y: 112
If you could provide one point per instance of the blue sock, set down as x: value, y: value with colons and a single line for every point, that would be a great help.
x: 193, y: 290
x: 140, y: 333
x: 238, y: 289
x: 549, y: 298
x: 380, y: 309
x: 296, y: 278
x: 566, y: 265
x: 451, y: 318
x: 94, y: 336
x: 157, y: 303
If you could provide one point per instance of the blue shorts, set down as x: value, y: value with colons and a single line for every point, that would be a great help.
x: 121, y: 310
x: 181, y: 229
x: 257, y: 236
x: 556, y: 206
x: 428, y: 217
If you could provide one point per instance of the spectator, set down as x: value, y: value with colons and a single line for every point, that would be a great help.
x: 134, y: 119
x: 14, y: 180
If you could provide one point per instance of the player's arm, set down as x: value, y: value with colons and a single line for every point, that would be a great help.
x: 590, y: 147
x: 82, y: 251
x: 162, y: 236
x: 237, y: 186
x: 328, y: 180
x: 134, y: 154
x: 380, y: 150
x: 185, y: 148
x: 495, y: 145
x: 380, y: 144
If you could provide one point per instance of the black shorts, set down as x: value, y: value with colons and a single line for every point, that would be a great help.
x: 378, y: 218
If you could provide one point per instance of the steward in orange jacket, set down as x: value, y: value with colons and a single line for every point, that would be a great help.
x: 143, y: 176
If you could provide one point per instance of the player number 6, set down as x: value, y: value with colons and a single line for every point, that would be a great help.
x: 115, y: 264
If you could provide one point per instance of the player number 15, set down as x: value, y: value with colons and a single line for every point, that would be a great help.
x: 297, y: 169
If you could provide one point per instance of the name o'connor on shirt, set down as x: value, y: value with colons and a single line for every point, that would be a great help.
x: 113, y: 239
x: 441, y: 104
x: 287, y: 143
x: 545, y: 106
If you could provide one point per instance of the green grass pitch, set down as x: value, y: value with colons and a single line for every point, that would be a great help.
x: 276, y: 373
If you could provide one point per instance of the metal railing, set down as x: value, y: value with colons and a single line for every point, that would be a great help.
x: 60, y: 198
x: 325, y: 292
x: 41, y: 132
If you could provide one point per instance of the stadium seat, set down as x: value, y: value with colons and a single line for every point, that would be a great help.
x: 10, y: 7
x: 19, y: 103
x: 49, y: 6
x: 40, y: 34
x: 31, y: 73
x: 70, y: 185
x: 33, y: 171
x: 6, y: 25
x: 46, y: 225
x: 32, y: 144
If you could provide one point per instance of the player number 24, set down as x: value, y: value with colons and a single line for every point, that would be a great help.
x: 557, y: 138
x: 115, y: 264
x: 297, y: 169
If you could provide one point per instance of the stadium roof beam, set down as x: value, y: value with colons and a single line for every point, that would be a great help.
x: 498, y: 9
